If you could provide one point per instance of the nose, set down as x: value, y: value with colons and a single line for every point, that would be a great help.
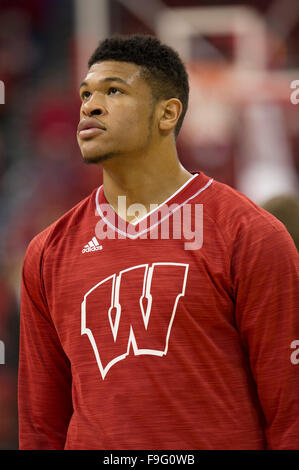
x: 93, y: 107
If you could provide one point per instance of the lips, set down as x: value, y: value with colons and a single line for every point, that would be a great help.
x: 90, y: 126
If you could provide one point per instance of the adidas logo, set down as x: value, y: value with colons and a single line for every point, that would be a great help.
x: 93, y: 245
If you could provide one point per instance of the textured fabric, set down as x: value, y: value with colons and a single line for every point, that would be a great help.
x: 139, y: 342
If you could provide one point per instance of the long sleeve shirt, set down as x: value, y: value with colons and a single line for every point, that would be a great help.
x: 175, y: 332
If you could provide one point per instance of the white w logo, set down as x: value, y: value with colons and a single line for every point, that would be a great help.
x: 136, y: 308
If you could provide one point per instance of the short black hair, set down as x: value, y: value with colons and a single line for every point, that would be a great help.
x: 161, y: 66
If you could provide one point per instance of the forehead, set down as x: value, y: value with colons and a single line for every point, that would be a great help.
x: 127, y: 71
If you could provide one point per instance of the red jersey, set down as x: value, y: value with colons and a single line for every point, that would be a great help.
x: 133, y: 336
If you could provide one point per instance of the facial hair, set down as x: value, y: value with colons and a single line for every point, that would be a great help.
x: 98, y: 159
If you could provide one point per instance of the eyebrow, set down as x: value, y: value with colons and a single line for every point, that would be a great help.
x: 109, y: 79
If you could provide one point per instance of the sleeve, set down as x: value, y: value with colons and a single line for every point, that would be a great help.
x: 266, y: 284
x: 44, y: 388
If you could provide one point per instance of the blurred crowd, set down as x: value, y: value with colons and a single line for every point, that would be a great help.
x: 41, y: 169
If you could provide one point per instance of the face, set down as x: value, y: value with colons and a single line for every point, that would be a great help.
x: 116, y: 98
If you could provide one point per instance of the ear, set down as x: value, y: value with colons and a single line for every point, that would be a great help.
x: 170, y: 113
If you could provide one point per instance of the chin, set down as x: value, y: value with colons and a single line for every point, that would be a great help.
x: 89, y: 159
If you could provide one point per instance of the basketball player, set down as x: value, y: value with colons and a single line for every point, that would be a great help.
x: 161, y: 312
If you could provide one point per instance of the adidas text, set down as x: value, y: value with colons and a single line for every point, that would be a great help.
x: 93, y: 248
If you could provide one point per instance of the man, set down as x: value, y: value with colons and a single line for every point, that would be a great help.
x: 161, y: 312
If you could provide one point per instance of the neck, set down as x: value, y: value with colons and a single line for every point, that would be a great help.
x: 149, y: 179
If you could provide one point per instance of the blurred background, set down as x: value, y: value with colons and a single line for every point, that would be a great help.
x: 242, y: 127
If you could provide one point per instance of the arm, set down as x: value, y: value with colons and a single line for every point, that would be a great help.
x: 266, y: 283
x: 44, y: 391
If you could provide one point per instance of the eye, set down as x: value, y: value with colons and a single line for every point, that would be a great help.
x: 85, y: 94
x: 113, y: 91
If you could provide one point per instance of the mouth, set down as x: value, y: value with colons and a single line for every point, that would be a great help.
x: 90, y: 132
x: 90, y: 127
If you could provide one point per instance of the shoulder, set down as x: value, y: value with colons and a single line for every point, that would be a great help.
x: 248, y: 232
x: 236, y: 215
x: 259, y: 249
